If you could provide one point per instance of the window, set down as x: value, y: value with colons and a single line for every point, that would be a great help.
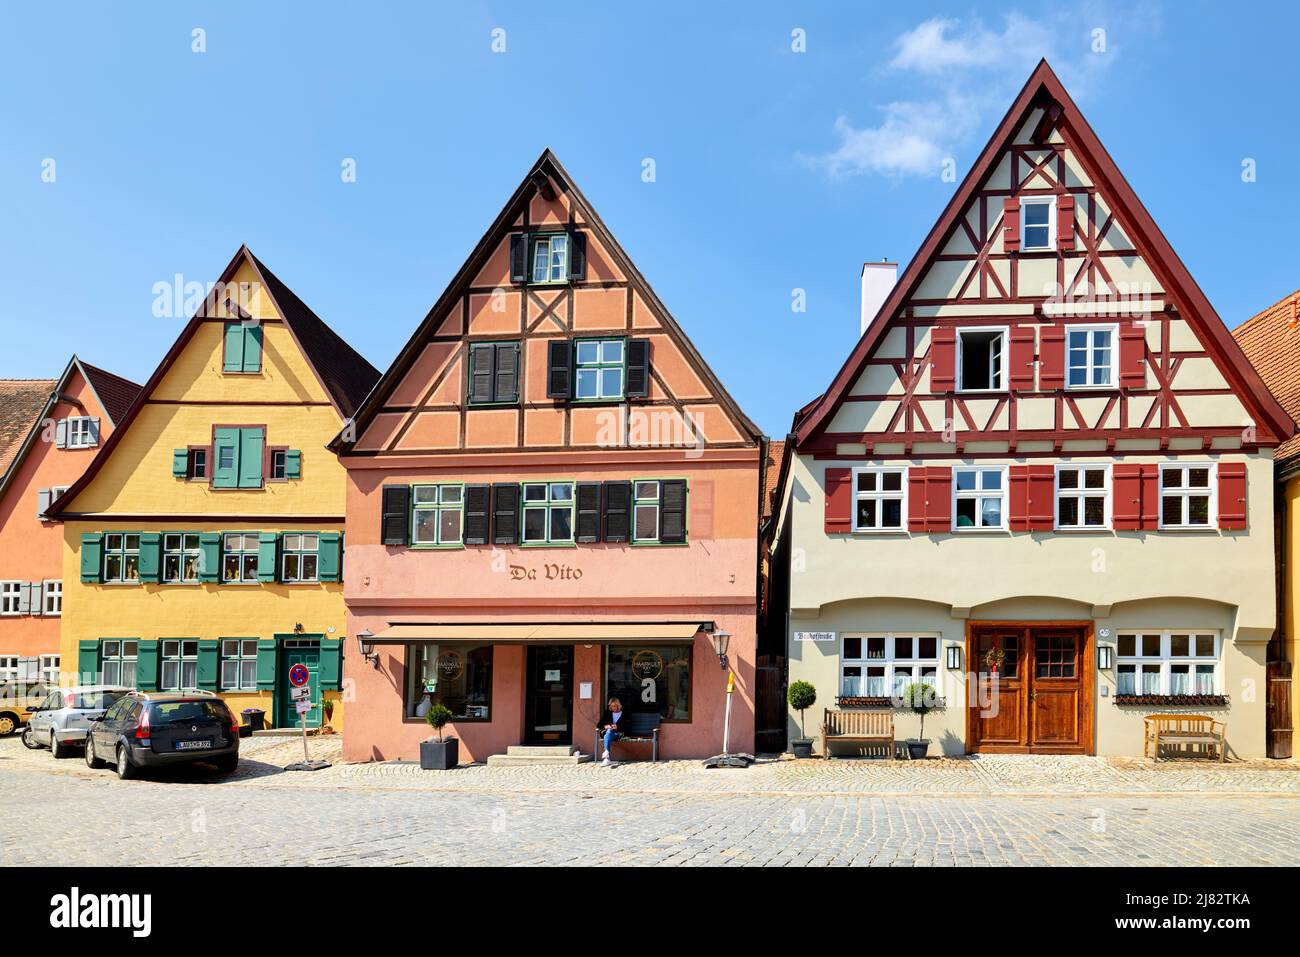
x: 239, y: 557
x: 551, y: 257
x: 238, y: 453
x: 122, y: 557
x: 180, y: 664
x: 52, y: 597
x: 8, y: 669
x: 1082, y: 496
x: 10, y: 598
x: 1167, y: 663
x: 117, y: 662
x: 882, y: 666
x: 979, y: 498
x: 50, y: 670
x: 1091, y: 357
x: 979, y: 359
x: 181, y: 557
x: 650, y: 678
x: 46, y: 497
x: 83, y: 432
x: 279, y: 469
x: 300, y: 557
x: 878, y: 499
x: 196, y: 462
x: 599, y: 368
x: 645, y: 508
x: 238, y: 664
x: 242, y: 350
x: 1185, y: 496
x: 459, y: 677
x: 1037, y: 223
x: 548, y: 513
x: 437, y: 514
x: 493, y: 372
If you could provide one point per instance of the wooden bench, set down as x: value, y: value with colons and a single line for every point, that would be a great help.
x: 858, y: 727
x: 638, y: 726
x: 1200, y: 729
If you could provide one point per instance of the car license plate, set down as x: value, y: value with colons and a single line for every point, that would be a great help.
x: 192, y: 745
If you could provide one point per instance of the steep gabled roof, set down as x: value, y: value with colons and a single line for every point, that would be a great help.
x: 1043, y: 89
x: 115, y: 393
x: 1271, y: 341
x: 21, y: 403
x: 547, y: 164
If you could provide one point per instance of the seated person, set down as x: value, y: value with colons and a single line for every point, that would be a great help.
x: 611, y: 723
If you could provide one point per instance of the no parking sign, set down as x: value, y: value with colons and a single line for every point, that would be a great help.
x: 299, y: 675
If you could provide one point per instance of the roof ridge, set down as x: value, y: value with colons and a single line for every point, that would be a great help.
x: 1265, y: 311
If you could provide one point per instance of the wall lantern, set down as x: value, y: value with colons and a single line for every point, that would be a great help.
x: 366, y: 645
x: 1103, y: 657
x: 720, y: 639
x: 954, y: 657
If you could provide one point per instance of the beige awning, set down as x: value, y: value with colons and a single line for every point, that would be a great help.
x: 549, y: 633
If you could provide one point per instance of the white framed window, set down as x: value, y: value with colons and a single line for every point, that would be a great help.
x: 122, y: 557
x: 50, y: 670
x: 1083, y: 496
x: 551, y: 258
x: 180, y: 664
x: 83, y: 432
x: 1090, y: 356
x: 879, y: 499
x: 181, y: 556
x: 1037, y: 223
x: 238, y: 664
x: 1187, y: 496
x: 981, y: 359
x: 1168, y: 663
x: 9, y: 670
x: 645, y: 511
x: 300, y: 557
x: 979, y: 499
x: 11, y: 594
x: 599, y: 368
x: 437, y: 514
x: 548, y: 513
x: 882, y: 665
x: 52, y: 597
x: 239, y: 557
x: 117, y: 661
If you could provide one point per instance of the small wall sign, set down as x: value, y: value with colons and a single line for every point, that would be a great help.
x: 814, y: 636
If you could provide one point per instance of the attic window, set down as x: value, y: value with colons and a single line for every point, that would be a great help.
x: 979, y: 359
x: 550, y: 258
x: 1037, y: 223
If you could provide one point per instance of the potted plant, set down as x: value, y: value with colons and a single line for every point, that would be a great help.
x: 919, y: 698
x: 439, y: 755
x: 327, y: 713
x: 801, y: 696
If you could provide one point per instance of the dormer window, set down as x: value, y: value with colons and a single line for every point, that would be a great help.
x: 980, y: 359
x: 1037, y: 224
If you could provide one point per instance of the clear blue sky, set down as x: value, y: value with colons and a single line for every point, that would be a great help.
x: 775, y: 170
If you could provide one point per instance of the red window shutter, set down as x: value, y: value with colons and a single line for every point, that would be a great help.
x: 1051, y: 353
x: 938, y: 497
x: 943, y: 360
x: 1018, y: 479
x: 1151, y: 497
x: 1011, y: 224
x: 1042, y: 497
x: 1126, y: 493
x: 1132, y: 356
x: 1022, y: 359
x: 1232, y: 495
x: 1065, y: 222
x: 839, y: 501
x: 916, y: 521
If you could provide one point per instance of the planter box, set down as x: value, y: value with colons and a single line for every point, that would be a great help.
x: 917, y: 750
x: 801, y: 747
x: 439, y: 755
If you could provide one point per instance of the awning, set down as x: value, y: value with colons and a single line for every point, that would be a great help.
x: 548, y: 633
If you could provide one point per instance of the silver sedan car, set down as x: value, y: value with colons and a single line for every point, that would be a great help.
x: 63, y: 717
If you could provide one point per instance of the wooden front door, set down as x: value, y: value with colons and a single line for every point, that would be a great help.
x: 1038, y: 699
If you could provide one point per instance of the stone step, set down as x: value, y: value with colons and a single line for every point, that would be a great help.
x: 554, y: 750
x: 535, y: 760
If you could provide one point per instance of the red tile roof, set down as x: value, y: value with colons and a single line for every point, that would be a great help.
x: 21, y: 401
x: 772, y: 474
x: 115, y: 393
x: 1271, y: 341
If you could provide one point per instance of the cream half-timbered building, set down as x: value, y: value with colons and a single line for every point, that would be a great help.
x: 1043, y: 479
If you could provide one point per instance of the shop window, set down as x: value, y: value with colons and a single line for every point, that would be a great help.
x: 650, y: 678
x: 459, y: 677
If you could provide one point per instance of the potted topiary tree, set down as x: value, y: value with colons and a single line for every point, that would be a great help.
x: 801, y: 696
x: 439, y: 755
x: 920, y: 699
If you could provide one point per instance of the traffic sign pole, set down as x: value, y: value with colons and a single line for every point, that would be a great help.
x: 300, y: 694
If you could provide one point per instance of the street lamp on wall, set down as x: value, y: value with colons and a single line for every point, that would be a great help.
x: 366, y: 645
x: 720, y: 638
x: 1103, y: 657
x: 954, y: 657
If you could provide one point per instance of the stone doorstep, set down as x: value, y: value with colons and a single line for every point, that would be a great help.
x: 520, y: 755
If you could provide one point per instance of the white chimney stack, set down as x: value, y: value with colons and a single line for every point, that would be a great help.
x: 877, y: 281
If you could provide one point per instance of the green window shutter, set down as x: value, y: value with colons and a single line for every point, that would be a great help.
x: 146, y: 665
x: 209, y: 556
x: 92, y: 553
x: 293, y: 464
x: 88, y: 662
x: 253, y: 348
x: 267, y: 555
x: 232, y: 358
x: 208, y: 664
x: 150, y: 556
x: 267, y: 652
x: 250, y: 458
x: 329, y: 563
x: 180, y: 463
x: 331, y: 663
x: 225, y: 440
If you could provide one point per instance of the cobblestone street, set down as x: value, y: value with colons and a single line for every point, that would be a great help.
x: 1070, y: 812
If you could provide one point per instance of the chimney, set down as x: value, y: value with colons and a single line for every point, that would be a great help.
x: 877, y: 281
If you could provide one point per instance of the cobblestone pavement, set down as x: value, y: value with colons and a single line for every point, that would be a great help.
x: 1068, y: 812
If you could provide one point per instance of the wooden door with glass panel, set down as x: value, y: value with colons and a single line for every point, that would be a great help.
x: 997, y: 706
x: 1057, y: 708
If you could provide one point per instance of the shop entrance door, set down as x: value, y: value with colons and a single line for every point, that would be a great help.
x: 548, y: 705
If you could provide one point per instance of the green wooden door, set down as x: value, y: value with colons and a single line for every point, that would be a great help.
x: 305, y: 652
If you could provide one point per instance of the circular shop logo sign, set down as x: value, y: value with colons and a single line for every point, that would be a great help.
x: 450, y: 665
x: 647, y: 664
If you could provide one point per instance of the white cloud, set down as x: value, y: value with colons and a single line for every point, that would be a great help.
x: 935, y: 46
x: 906, y: 143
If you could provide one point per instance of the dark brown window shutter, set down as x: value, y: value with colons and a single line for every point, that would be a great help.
x: 480, y: 372
x: 396, y: 512
x: 519, y: 257
x: 476, y: 514
x: 505, y: 514
x: 638, y: 369
x: 506, y: 385
x: 618, y: 503
x: 577, y: 256
x: 672, y: 511
x: 559, y: 369
x: 588, y: 503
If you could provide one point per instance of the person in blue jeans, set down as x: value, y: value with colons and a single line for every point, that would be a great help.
x: 610, y: 723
